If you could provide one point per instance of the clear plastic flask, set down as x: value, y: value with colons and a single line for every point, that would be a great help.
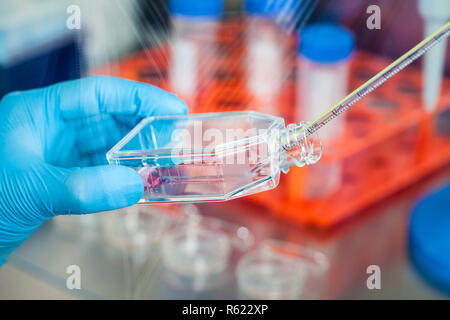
x: 213, y: 156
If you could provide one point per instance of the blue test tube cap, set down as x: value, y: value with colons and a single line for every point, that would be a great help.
x: 197, y: 8
x: 259, y: 7
x: 429, y: 238
x: 326, y: 42
x: 269, y: 8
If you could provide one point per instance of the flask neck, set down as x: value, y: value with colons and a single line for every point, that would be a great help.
x: 298, y: 148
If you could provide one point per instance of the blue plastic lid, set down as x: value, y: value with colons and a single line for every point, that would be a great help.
x: 269, y: 8
x: 256, y: 7
x: 429, y: 238
x: 197, y: 8
x: 260, y: 7
x: 326, y: 42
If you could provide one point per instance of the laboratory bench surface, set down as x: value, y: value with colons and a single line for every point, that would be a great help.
x: 377, y: 236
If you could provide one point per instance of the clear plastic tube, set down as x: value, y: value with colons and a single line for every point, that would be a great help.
x: 264, y: 61
x: 195, y: 28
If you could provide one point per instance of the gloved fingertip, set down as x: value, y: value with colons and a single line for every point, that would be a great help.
x: 103, y: 188
x: 184, y: 108
x: 173, y: 106
x: 127, y: 184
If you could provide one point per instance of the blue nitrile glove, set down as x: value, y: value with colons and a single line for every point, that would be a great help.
x: 52, y: 138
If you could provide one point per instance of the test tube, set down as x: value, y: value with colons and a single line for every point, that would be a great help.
x: 282, y: 270
x: 265, y: 51
x: 195, y: 27
x: 435, y: 13
x: 325, y: 51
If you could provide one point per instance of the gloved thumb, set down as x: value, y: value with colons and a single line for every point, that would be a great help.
x: 101, y: 188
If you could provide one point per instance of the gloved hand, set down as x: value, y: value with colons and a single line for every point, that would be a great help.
x: 53, y: 142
